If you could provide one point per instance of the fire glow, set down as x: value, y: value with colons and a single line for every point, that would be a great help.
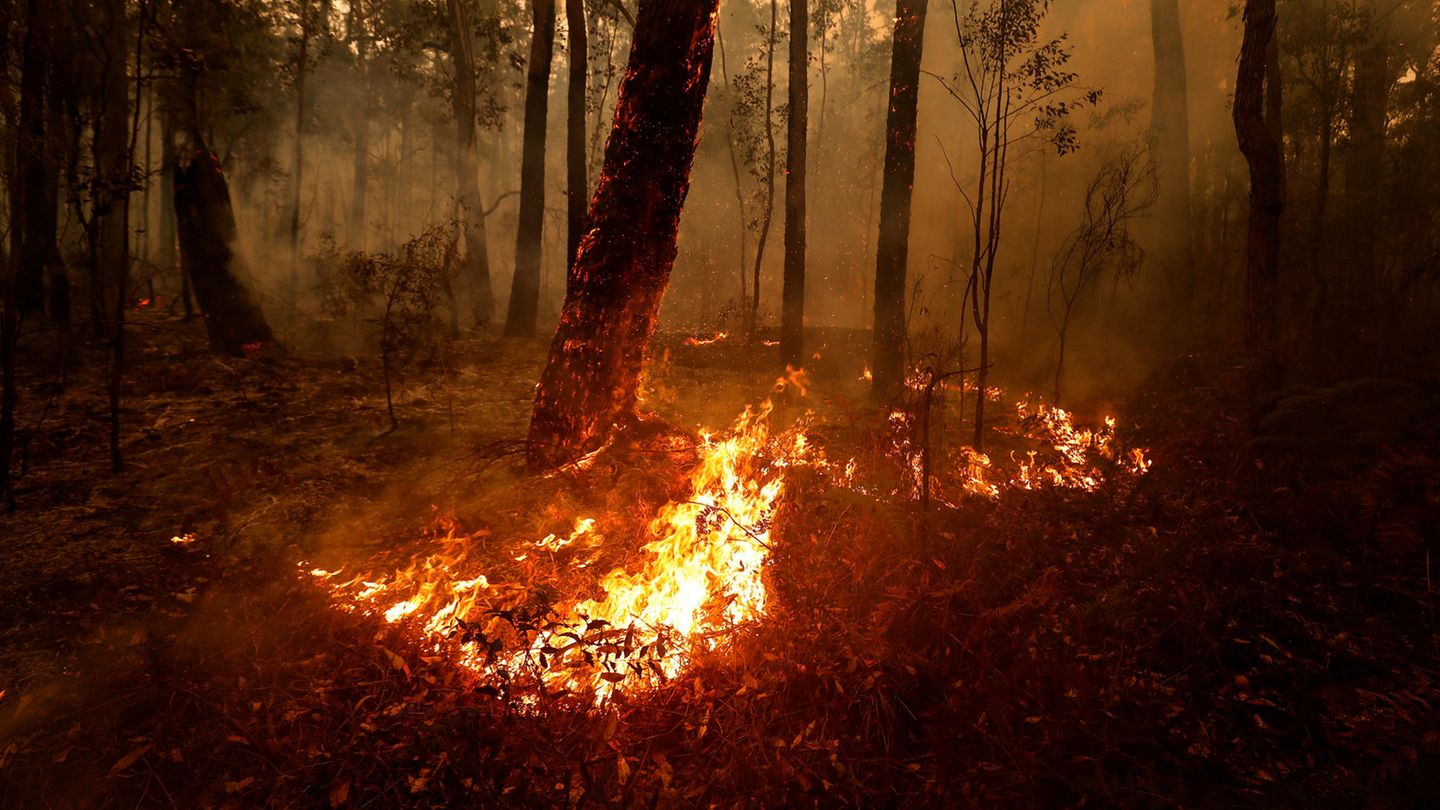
x: 702, y: 578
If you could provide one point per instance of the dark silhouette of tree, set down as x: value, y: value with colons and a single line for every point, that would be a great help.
x: 893, y: 248
x: 524, y: 309
x: 1262, y: 154
x: 792, y: 302
x: 577, y: 189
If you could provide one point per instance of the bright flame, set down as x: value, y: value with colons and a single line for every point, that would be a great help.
x: 699, y: 341
x: 701, y: 578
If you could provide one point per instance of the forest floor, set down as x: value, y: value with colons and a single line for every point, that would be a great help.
x: 1251, y: 623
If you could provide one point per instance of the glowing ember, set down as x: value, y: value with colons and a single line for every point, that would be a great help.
x: 183, y: 539
x: 699, y: 341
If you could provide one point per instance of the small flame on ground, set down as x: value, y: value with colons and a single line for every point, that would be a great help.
x: 699, y: 341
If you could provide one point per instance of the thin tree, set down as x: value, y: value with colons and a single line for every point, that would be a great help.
x: 623, y: 265
x: 767, y: 216
x: 893, y: 248
x: 1262, y: 154
x: 792, y: 302
x: 1170, y: 142
x: 297, y: 175
x: 361, y: 40
x: 1013, y: 86
x: 475, y: 270
x: 524, y: 311
x: 577, y: 189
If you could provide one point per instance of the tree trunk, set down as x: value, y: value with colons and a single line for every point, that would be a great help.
x: 1170, y: 142
x: 475, y: 272
x: 892, y: 249
x: 577, y: 190
x: 767, y: 218
x: 298, y: 174
x: 792, y: 302
x: 1364, y: 165
x: 110, y: 209
x: 624, y: 261
x: 206, y: 224
x: 1262, y: 153
x: 361, y: 39
x: 525, y: 288
x: 34, y: 195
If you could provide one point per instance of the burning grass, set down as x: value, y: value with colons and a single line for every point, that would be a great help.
x: 1199, y: 634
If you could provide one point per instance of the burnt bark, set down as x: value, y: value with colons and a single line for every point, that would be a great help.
x: 792, y: 300
x: 524, y: 308
x: 577, y: 191
x: 475, y: 271
x: 624, y: 261
x: 111, y: 155
x: 1170, y: 142
x: 1263, y: 156
x: 205, y: 222
x: 892, y: 249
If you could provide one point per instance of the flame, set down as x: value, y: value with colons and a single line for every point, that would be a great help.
x: 699, y: 341
x: 866, y: 375
x: 1076, y: 449
x: 701, y: 578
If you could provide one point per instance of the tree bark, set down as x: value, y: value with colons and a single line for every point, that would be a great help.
x: 577, y: 190
x: 361, y: 175
x: 1170, y: 141
x: 205, y: 221
x: 792, y: 301
x: 1364, y: 166
x: 35, y: 189
x: 111, y: 259
x: 892, y: 249
x: 1262, y: 154
x: 524, y: 309
x: 624, y: 261
x: 297, y: 175
x: 475, y: 271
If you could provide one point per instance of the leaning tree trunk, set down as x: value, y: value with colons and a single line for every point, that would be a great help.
x: 205, y: 222
x: 792, y: 300
x: 1262, y: 153
x: 577, y: 175
x: 524, y: 308
x: 475, y: 272
x: 620, y: 272
x: 892, y: 249
x: 1170, y: 140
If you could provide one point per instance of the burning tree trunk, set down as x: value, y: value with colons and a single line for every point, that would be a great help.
x: 624, y: 261
x: 205, y: 221
x: 525, y: 289
x: 792, y: 303
x: 1170, y: 140
x: 1262, y: 153
x: 576, y: 172
x: 892, y: 250
x: 475, y: 272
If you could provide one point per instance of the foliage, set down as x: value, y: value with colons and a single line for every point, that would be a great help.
x: 400, y: 293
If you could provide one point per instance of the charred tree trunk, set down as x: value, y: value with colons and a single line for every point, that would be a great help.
x: 892, y: 249
x: 524, y: 308
x: 205, y: 221
x: 1170, y: 140
x: 577, y: 189
x: 1263, y: 155
x: 475, y: 272
x: 792, y: 301
x: 111, y: 248
x: 34, y: 193
x: 624, y: 261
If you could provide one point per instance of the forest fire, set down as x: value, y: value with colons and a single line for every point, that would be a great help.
x: 701, y: 578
